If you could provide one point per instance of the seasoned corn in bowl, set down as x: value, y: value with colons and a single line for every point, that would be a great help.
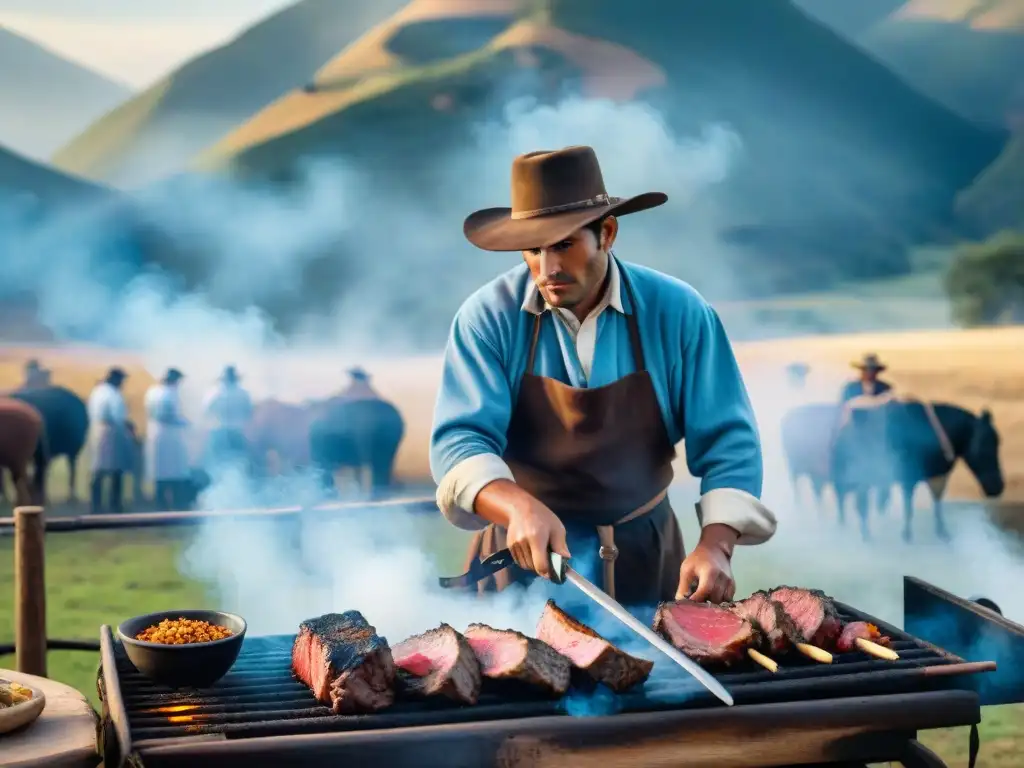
x: 183, y: 649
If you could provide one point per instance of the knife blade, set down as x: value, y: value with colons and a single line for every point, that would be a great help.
x: 564, y: 572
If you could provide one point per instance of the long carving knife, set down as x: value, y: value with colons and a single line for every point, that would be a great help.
x: 564, y: 572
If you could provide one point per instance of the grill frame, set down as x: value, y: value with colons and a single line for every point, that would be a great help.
x: 883, y: 703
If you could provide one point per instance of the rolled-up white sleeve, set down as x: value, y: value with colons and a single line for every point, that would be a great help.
x: 741, y: 511
x: 458, y: 489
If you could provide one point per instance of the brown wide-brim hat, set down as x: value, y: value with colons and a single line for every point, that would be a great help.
x: 869, y: 363
x: 554, y: 193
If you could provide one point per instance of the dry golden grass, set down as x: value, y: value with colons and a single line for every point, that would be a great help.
x: 975, y: 369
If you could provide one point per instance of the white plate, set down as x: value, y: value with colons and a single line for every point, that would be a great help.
x: 24, y: 713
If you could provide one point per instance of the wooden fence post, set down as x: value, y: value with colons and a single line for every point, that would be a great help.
x: 30, y: 590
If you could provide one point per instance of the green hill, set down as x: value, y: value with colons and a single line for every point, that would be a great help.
x: 995, y: 201
x: 840, y: 156
x: 45, y: 99
x: 153, y: 134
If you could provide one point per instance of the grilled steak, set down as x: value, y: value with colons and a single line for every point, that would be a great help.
x: 346, y: 664
x: 855, y: 629
x: 439, y: 663
x: 507, y: 655
x: 590, y: 652
x: 709, y: 634
x: 776, y: 628
x: 812, y: 612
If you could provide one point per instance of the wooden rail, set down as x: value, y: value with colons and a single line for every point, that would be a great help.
x: 31, y: 526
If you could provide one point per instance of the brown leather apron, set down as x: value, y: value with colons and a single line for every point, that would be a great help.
x: 601, y: 459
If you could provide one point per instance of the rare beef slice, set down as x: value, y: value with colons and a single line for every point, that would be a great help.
x: 813, y: 614
x: 346, y: 664
x: 777, y: 630
x: 709, y: 634
x: 439, y: 662
x: 512, y: 656
x: 590, y: 652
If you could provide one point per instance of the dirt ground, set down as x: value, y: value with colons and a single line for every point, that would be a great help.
x: 975, y: 369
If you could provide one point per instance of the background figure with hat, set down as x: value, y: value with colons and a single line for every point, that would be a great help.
x: 567, y: 383
x: 167, y: 460
x: 868, y: 384
x: 356, y: 429
x: 227, y: 409
x: 796, y: 375
x: 36, y: 377
x: 112, y: 442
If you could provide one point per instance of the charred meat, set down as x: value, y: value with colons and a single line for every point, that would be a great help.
x: 439, y: 662
x: 778, y: 632
x: 813, y: 614
x: 590, y: 652
x: 507, y: 655
x: 859, y: 630
x: 346, y: 664
x: 709, y: 634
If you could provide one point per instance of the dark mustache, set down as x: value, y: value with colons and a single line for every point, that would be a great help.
x: 559, y: 277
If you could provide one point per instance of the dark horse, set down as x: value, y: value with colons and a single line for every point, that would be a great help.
x: 356, y: 434
x: 66, y: 421
x: 891, y: 443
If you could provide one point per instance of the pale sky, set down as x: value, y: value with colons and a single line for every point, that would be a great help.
x: 133, y: 41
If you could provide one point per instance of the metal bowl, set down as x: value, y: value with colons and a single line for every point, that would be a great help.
x: 192, y: 665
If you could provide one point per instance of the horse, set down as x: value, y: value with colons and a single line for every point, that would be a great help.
x: 22, y: 441
x: 278, y: 434
x: 66, y: 424
x: 355, y: 434
x: 903, y: 443
x: 805, y: 445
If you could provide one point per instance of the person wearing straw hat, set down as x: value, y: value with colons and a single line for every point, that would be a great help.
x: 111, y: 441
x: 567, y: 383
x: 228, y: 409
x: 167, y: 461
x: 868, y: 384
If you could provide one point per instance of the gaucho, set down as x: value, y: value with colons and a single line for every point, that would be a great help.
x: 567, y: 383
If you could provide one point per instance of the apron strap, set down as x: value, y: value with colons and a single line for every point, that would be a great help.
x: 606, y: 535
x: 639, y: 361
x: 533, y: 344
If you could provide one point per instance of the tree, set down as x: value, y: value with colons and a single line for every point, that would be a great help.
x: 985, y: 281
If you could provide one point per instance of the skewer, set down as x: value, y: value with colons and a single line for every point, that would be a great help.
x: 813, y: 652
x: 770, y: 664
x: 876, y: 650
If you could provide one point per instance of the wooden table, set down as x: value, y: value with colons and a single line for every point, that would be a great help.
x: 63, y: 736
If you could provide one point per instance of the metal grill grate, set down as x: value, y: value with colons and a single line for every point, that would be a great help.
x: 260, y: 697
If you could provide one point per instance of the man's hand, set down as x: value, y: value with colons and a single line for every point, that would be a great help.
x: 706, y: 574
x: 533, y: 532
x: 532, y: 529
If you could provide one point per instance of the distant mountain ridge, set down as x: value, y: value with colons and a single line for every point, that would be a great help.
x: 154, y: 134
x: 842, y: 157
x: 46, y: 99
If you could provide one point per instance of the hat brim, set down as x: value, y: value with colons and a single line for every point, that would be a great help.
x: 863, y: 367
x: 494, y: 229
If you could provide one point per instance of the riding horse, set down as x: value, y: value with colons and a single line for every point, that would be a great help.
x: 900, y: 442
x: 22, y: 441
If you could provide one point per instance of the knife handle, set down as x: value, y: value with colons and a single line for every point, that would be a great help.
x: 558, y: 566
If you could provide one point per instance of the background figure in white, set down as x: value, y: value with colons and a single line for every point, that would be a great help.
x: 228, y: 409
x: 167, y: 461
x: 111, y: 441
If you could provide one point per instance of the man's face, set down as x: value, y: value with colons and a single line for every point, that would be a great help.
x: 571, y: 272
x: 869, y: 374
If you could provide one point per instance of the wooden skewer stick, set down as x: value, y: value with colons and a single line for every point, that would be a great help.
x: 770, y: 664
x: 813, y: 652
x: 876, y: 650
